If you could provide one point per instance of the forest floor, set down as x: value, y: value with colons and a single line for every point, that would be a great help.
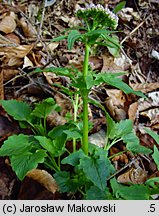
x: 25, y: 37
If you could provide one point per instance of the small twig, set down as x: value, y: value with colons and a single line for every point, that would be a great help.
x: 132, y: 32
x: 9, y: 45
x: 123, y: 168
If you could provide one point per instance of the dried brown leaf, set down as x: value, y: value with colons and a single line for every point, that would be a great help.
x: 14, y: 61
x: 28, y: 30
x: 54, y: 119
x: 44, y: 178
x: 8, y: 24
x: 19, y: 51
x: 64, y: 102
x: 116, y: 103
x: 9, y: 73
x: 132, y: 111
x: 13, y: 37
x: 152, y: 101
x: 145, y: 87
x: 133, y: 175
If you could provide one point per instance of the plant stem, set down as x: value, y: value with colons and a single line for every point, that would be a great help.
x: 75, y: 105
x: 85, y: 101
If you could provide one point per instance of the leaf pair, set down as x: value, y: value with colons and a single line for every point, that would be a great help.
x: 123, y: 131
x: 94, y: 169
x: 23, y: 155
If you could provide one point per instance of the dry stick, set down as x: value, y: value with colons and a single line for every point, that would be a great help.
x: 133, y: 162
x: 132, y: 32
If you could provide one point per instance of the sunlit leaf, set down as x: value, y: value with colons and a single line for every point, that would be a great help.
x: 15, y: 145
x: 119, y: 6
x: 155, y: 156
x: 73, y: 36
x: 27, y: 161
x: 17, y: 109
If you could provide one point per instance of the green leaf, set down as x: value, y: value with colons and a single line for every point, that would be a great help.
x: 73, y: 133
x: 45, y: 143
x: 60, y: 38
x: 94, y: 193
x: 17, y: 109
x: 120, y: 129
x: 57, y: 131
x: 153, y: 134
x: 110, y: 124
x: 152, y: 182
x: 58, y: 145
x: 73, y: 36
x: 74, y: 158
x: 89, y: 81
x: 97, y: 168
x: 44, y: 108
x: 16, y: 145
x: 64, y: 181
x: 137, y: 148
x: 25, y: 162
x: 111, y: 41
x: 134, y: 192
x: 57, y: 70
x: 119, y: 6
x: 113, y: 80
x: 114, y: 50
x: 94, y: 34
x: 155, y: 156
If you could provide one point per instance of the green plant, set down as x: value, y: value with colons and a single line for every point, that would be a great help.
x: 85, y: 171
x: 97, y: 28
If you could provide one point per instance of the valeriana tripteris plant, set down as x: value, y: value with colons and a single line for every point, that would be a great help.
x: 96, y: 28
x: 95, y: 18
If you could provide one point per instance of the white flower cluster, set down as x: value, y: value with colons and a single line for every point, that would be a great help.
x: 112, y: 16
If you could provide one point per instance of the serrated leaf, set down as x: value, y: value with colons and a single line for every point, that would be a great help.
x: 94, y: 193
x: 45, y: 143
x: 155, y: 156
x: 119, y: 6
x: 110, y: 124
x: 57, y: 70
x: 43, y: 109
x: 16, y: 145
x: 57, y: 131
x: 134, y: 192
x: 59, y: 145
x: 62, y: 37
x: 25, y: 162
x: 17, y: 109
x: 113, y: 80
x: 153, y: 134
x: 89, y: 81
x: 73, y: 36
x: 120, y: 129
x: 63, y: 180
x: 74, y: 158
x: 137, y: 148
x: 96, y: 169
x: 73, y: 133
